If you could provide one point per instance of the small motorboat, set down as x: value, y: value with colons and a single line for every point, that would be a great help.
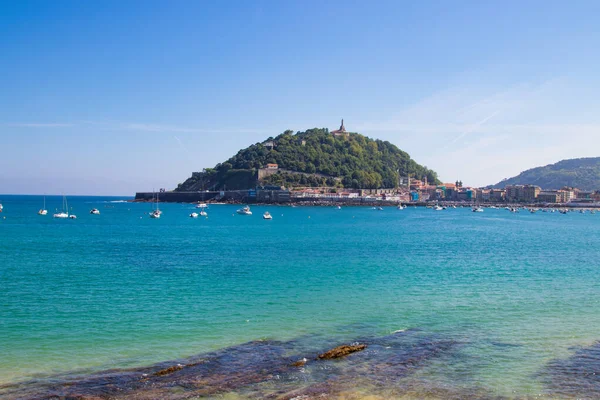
x: 194, y: 215
x: 244, y: 211
x: 477, y: 209
x: 267, y: 215
x: 380, y: 208
x: 203, y: 213
x: 73, y: 216
x: 438, y: 208
x: 339, y: 207
x: 201, y: 205
x: 95, y: 211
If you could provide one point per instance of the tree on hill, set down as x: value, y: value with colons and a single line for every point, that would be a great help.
x: 349, y: 161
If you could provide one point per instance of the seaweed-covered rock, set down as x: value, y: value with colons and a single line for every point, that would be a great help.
x: 341, y: 351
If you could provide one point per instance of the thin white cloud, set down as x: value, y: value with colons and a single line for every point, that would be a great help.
x: 159, y: 128
x: 146, y: 127
x: 40, y: 125
x: 475, y: 126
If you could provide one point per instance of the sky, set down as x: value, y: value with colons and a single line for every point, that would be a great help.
x: 114, y: 97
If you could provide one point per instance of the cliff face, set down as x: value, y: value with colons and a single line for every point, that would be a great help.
x: 312, y: 158
x: 582, y: 173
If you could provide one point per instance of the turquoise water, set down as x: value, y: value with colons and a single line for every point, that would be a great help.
x: 120, y: 289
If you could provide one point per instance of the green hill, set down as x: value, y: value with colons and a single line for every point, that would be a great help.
x: 582, y: 173
x: 312, y: 158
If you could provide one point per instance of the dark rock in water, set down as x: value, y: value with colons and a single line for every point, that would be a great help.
x: 341, y: 351
x: 169, y: 370
x: 577, y: 376
x: 300, y: 363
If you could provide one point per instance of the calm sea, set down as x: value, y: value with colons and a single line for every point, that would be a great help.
x: 520, y: 292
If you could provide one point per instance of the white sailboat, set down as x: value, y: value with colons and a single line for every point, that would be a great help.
x: 65, y: 212
x: 43, y: 211
x: 156, y: 213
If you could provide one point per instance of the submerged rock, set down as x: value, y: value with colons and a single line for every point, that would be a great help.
x: 341, y: 351
x: 260, y: 369
x: 577, y: 376
x: 169, y: 370
x: 300, y: 363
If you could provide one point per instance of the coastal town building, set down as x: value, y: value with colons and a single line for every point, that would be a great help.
x: 525, y: 193
x: 549, y: 197
x: 566, y: 195
x: 584, y: 195
x: 530, y: 193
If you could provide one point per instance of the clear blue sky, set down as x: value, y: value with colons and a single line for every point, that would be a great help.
x: 117, y: 96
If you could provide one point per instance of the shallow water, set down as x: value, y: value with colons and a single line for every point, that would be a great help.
x: 516, y: 294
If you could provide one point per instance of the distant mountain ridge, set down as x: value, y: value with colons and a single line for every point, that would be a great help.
x: 313, y: 158
x: 582, y: 173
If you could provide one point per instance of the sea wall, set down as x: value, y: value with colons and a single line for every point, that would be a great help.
x: 233, y: 196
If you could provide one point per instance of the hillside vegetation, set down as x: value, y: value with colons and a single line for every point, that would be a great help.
x: 582, y: 173
x: 313, y: 158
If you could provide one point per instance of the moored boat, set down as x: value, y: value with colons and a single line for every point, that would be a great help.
x: 95, y: 211
x: 43, y: 210
x: 65, y: 212
x: 156, y: 213
x: 267, y: 215
x: 244, y: 211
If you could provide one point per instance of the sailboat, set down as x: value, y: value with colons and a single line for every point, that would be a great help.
x: 156, y: 213
x: 65, y: 212
x: 43, y: 211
